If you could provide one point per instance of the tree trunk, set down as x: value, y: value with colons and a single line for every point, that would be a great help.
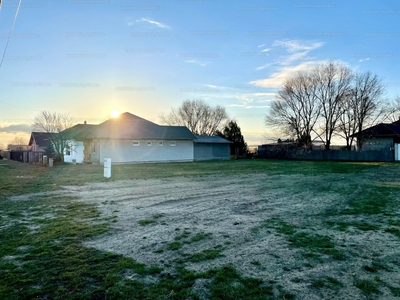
x: 328, y: 145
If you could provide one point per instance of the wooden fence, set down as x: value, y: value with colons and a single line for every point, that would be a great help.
x: 32, y: 157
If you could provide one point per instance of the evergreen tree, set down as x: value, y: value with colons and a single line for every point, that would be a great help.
x: 232, y: 133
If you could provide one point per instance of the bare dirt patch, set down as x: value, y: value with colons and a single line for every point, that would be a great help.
x: 209, y: 221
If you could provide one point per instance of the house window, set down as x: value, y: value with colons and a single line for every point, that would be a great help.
x: 173, y: 144
x: 149, y: 143
x: 161, y: 143
x: 135, y: 143
x: 68, y: 150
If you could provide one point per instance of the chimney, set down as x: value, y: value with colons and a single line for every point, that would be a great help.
x: 84, y: 122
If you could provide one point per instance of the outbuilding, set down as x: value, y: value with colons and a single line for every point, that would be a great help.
x: 211, y: 148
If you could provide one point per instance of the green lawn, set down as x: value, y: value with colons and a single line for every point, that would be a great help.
x: 41, y: 240
x: 17, y: 178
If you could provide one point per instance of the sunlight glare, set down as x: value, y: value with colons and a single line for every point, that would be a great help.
x: 114, y: 113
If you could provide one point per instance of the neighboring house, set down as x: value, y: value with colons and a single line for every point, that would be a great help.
x: 381, y: 137
x: 130, y: 139
x: 40, y: 141
x: 211, y: 147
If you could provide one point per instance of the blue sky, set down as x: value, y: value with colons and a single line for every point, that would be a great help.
x: 87, y: 57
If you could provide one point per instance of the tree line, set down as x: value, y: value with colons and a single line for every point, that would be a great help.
x: 329, y: 100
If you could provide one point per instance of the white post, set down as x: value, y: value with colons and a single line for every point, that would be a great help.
x: 107, y: 167
x: 50, y: 162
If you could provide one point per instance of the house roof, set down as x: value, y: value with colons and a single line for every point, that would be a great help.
x: 130, y: 126
x: 394, y: 127
x: 77, y: 129
x: 205, y: 139
x: 41, y: 139
x: 381, y: 130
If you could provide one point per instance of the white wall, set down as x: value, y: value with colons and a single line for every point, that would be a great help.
x: 76, y: 152
x: 123, y: 151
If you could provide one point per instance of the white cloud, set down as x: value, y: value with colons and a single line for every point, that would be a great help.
x: 296, y: 60
x: 297, y: 52
x: 365, y: 59
x: 152, y: 22
x: 293, y: 46
x: 214, y: 86
x: 265, y: 66
x: 192, y: 61
x: 245, y: 100
x: 276, y: 79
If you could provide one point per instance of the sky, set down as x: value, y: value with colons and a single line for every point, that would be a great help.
x: 88, y: 57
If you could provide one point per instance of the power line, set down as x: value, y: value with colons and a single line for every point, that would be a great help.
x: 11, y: 30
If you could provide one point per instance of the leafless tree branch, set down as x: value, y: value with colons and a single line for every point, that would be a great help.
x: 198, y: 116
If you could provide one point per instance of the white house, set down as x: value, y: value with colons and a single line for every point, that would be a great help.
x: 131, y: 139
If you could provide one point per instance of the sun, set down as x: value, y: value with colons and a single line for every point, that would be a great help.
x: 114, y: 113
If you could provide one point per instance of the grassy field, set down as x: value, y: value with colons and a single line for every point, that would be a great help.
x: 43, y: 253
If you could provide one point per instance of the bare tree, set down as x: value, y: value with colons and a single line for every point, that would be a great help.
x: 17, y: 143
x: 198, y: 116
x: 361, y: 106
x: 296, y: 109
x: 333, y: 83
x: 391, y: 111
x: 55, y: 123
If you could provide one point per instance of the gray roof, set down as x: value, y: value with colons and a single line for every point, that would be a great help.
x: 394, y: 127
x: 207, y: 139
x: 380, y: 130
x: 129, y: 126
x: 41, y: 139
